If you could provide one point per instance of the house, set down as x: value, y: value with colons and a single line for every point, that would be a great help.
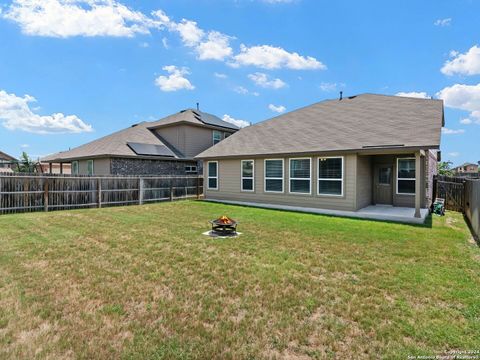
x: 164, y: 147
x: 7, y: 162
x: 365, y: 156
x: 466, y: 168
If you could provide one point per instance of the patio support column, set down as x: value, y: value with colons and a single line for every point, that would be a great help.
x: 418, y: 184
x: 50, y: 168
x: 61, y: 168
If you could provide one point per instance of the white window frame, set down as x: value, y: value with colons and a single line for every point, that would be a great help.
x: 271, y: 178
x: 290, y: 177
x: 78, y: 167
x: 213, y: 136
x: 211, y: 177
x: 410, y: 179
x: 93, y: 166
x: 342, y: 179
x: 191, y: 169
x: 244, y: 177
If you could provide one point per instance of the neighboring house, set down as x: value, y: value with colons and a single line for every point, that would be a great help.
x: 338, y: 155
x: 466, y: 168
x: 7, y: 162
x: 164, y: 147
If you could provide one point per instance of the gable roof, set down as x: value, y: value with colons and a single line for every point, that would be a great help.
x: 5, y: 156
x: 359, y: 122
x: 140, y: 137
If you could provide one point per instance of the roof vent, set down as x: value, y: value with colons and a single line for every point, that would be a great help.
x: 341, y: 95
x: 352, y: 97
x: 134, y: 125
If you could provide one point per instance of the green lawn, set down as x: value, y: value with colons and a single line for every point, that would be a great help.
x: 143, y: 282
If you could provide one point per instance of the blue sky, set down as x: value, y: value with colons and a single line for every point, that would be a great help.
x: 72, y: 71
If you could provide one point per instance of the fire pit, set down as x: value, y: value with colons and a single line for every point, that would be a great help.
x: 224, y: 226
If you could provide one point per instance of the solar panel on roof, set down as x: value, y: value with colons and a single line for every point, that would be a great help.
x: 150, y: 149
x: 213, y: 120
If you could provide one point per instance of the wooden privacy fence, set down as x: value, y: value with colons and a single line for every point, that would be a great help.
x: 452, y: 189
x: 32, y: 192
x: 472, y: 204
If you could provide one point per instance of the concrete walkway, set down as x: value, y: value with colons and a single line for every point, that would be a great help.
x: 373, y: 212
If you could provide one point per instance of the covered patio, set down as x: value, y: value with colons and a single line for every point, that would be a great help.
x: 373, y: 212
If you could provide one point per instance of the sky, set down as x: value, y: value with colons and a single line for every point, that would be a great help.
x: 72, y: 71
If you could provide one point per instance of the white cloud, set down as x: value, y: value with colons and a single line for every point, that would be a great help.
x: 216, y: 47
x: 189, y: 32
x: 16, y: 114
x: 265, y: 81
x: 239, y: 123
x: 165, y: 43
x: 144, y: 44
x: 66, y: 18
x: 270, y: 57
x: 447, y: 131
x: 244, y: 91
x: 466, y: 121
x: 278, y: 109
x: 463, y: 97
x: 24, y: 146
x: 454, y: 154
x: 278, y: 1
x: 220, y: 75
x: 329, y: 87
x: 443, y: 22
x: 414, y: 94
x: 176, y: 79
x: 463, y: 64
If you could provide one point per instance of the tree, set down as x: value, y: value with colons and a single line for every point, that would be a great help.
x: 25, y: 164
x: 445, y: 168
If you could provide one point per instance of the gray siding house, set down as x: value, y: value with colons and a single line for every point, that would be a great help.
x: 7, y: 162
x: 341, y: 156
x: 164, y: 147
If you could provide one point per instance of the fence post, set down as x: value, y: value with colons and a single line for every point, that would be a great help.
x: 171, y: 189
x: 45, y: 195
x: 140, y: 191
x: 99, y: 192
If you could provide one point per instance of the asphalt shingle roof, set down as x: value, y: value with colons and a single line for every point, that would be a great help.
x: 116, y: 144
x: 356, y: 122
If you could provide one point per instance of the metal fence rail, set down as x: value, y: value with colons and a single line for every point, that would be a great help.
x: 38, y: 192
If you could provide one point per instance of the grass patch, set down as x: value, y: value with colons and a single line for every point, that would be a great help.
x: 142, y: 282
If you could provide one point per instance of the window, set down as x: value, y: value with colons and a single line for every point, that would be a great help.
x: 190, y: 169
x: 89, y: 167
x: 247, y: 175
x: 274, y: 175
x: 217, y: 137
x: 75, y: 167
x: 212, y: 175
x: 385, y: 175
x: 330, y: 176
x: 406, y: 176
x: 225, y: 135
x: 300, y: 177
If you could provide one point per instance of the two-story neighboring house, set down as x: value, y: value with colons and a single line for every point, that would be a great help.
x: 7, y: 162
x: 466, y: 168
x: 164, y: 147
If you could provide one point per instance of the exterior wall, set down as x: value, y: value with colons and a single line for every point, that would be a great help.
x: 364, y: 181
x: 358, y: 184
x: 189, y: 140
x: 125, y: 166
x: 101, y: 166
x: 229, y: 185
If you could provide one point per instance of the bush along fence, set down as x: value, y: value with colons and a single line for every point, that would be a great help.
x: 32, y: 192
x: 461, y: 194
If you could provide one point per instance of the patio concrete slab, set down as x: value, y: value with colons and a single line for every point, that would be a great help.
x: 373, y: 212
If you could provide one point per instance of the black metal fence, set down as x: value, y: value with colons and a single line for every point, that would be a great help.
x: 38, y: 192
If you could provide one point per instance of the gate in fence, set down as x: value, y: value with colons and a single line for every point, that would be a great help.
x: 32, y: 192
x: 452, y: 189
